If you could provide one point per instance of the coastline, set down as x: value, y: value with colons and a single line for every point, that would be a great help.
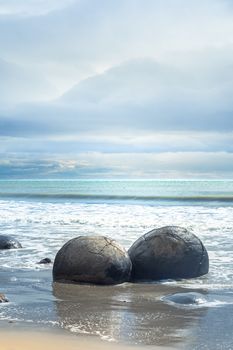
x: 54, y: 340
x: 126, y: 316
x: 122, y: 316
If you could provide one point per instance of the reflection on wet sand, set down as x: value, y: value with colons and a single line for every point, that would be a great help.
x: 127, y: 313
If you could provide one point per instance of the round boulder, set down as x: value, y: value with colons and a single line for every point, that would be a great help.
x: 94, y: 259
x: 168, y: 252
x: 8, y: 242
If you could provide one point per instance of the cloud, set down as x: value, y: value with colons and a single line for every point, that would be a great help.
x: 151, y: 142
x: 136, y: 96
x: 31, y: 7
x: 111, y: 81
x: 151, y: 94
x: 98, y: 36
x: 118, y: 165
x: 19, y: 85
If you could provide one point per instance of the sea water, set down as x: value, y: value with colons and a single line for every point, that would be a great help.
x: 44, y: 214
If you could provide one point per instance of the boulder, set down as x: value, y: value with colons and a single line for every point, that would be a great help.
x: 94, y: 259
x: 168, y: 252
x: 8, y: 242
x: 3, y: 298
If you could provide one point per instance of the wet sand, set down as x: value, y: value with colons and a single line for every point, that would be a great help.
x: 125, y: 316
x: 54, y: 341
x: 131, y: 314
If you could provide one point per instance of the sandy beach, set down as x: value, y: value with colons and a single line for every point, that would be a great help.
x: 28, y: 340
x: 127, y: 316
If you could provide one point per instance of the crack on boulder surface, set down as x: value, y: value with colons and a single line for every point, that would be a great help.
x: 101, y: 249
x: 109, y: 242
x: 97, y: 260
x: 170, y: 233
x: 115, y: 245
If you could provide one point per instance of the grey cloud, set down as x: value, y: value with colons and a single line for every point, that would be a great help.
x: 150, y: 142
x: 138, y: 95
x: 141, y: 70
x: 40, y: 122
x: 106, y: 33
x: 95, y: 37
x: 31, y: 8
x: 133, y: 165
x: 33, y: 167
x: 197, y: 162
x: 18, y: 85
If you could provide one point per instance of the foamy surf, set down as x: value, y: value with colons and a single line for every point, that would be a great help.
x: 42, y: 228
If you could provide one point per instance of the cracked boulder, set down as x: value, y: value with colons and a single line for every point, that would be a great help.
x: 8, y: 242
x: 94, y: 259
x: 168, y: 252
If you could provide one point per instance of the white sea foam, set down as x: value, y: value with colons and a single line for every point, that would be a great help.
x: 43, y: 227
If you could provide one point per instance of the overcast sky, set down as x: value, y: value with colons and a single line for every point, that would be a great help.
x: 116, y: 89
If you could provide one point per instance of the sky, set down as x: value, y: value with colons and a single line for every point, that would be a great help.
x: 116, y: 89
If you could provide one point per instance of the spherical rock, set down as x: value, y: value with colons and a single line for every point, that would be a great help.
x: 168, y: 252
x: 94, y: 259
x: 8, y: 242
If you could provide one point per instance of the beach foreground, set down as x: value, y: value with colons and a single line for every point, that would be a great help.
x: 147, y: 315
x: 22, y: 340
x: 127, y: 316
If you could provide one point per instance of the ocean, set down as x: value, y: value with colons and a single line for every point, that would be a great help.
x: 44, y: 214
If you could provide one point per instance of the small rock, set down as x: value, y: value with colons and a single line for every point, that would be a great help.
x: 189, y: 298
x: 3, y: 299
x: 8, y: 242
x: 45, y: 261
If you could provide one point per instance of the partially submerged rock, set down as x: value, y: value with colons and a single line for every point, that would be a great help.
x: 45, y: 261
x: 189, y: 298
x: 168, y: 252
x: 95, y: 259
x: 3, y: 298
x: 8, y: 242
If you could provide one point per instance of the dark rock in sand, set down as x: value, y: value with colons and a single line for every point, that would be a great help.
x: 95, y: 259
x: 45, y: 261
x: 8, y: 242
x: 189, y: 298
x: 3, y: 298
x: 168, y: 252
